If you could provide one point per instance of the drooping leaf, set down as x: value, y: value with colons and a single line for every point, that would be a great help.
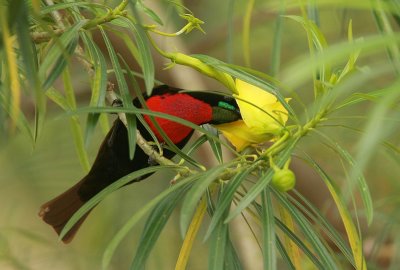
x: 57, y: 56
x: 143, y: 46
x: 99, y: 84
x: 264, y: 180
x: 193, y: 196
x: 225, y: 199
x: 268, y: 231
x: 218, y: 242
x: 313, y: 238
x: 126, y: 97
x: 138, y: 215
x: 154, y: 226
x: 352, y: 233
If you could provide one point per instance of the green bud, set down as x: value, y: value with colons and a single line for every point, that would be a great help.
x: 284, y: 180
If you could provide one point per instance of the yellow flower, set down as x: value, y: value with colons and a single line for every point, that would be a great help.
x: 263, y: 117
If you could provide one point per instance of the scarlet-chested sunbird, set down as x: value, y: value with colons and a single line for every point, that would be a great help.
x: 113, y: 162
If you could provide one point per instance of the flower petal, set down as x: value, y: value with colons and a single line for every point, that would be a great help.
x: 240, y: 135
x: 260, y: 110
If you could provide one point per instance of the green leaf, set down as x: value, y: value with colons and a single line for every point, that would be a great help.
x: 361, y: 97
x: 57, y: 57
x: 384, y: 26
x: 78, y: 4
x: 197, y: 191
x: 316, y: 39
x: 58, y: 98
x: 22, y: 123
x: 230, y: 32
x: 149, y: 12
x: 196, y: 144
x: 29, y: 59
x: 126, y: 97
x: 277, y: 41
x: 296, y: 238
x: 325, y: 257
x: 131, y: 46
x: 376, y: 129
x: 138, y: 215
x: 74, y: 122
x: 154, y: 225
x: 360, y: 180
x: 268, y: 231
x: 353, y: 234
x: 246, y: 31
x: 298, y: 73
x: 225, y: 199
x: 232, y: 260
x: 300, y: 243
x: 264, y: 181
x: 99, y: 84
x: 315, y: 215
x: 146, y: 60
x: 284, y: 254
x: 361, y: 184
x: 218, y: 242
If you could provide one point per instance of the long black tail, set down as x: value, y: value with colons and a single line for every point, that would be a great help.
x: 59, y: 210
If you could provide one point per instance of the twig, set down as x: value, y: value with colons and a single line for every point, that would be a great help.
x: 112, y: 14
x: 56, y: 15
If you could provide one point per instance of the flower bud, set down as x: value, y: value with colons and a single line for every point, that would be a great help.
x: 284, y: 180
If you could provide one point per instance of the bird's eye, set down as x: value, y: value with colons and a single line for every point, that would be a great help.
x: 225, y: 105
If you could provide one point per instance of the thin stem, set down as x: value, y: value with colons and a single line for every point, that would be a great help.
x: 153, y: 29
x: 39, y: 37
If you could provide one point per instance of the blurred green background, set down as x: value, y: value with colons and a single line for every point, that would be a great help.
x: 29, y: 176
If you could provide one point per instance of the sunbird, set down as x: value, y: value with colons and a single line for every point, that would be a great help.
x: 113, y: 161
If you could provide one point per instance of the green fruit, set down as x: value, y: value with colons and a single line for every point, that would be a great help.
x: 284, y: 180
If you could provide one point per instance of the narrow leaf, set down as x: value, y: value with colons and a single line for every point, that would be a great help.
x: 268, y: 231
x: 191, y: 235
x: 99, y: 83
x: 193, y: 196
x: 218, y: 242
x: 29, y: 58
x: 246, y: 32
x: 291, y: 249
x: 137, y: 216
x: 225, y: 199
x: 145, y: 55
x: 361, y: 184
x: 149, y: 12
x: 154, y: 225
x: 265, y: 179
x: 74, y: 122
x: 313, y: 237
x: 12, y: 68
x: 126, y: 97
x: 352, y: 233
x: 56, y: 58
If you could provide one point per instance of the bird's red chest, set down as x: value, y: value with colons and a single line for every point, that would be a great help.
x: 181, y: 105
